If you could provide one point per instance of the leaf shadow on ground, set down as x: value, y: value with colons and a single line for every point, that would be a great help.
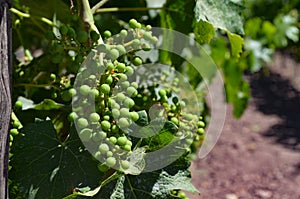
x: 275, y: 95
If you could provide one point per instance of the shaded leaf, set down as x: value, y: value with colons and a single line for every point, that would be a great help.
x: 52, y: 169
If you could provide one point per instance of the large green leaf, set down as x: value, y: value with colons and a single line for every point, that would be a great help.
x: 223, y: 14
x: 44, y: 167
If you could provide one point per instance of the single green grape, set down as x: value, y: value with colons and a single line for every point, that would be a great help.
x: 72, y: 92
x: 115, y: 113
x: 148, y: 27
x: 107, y: 34
x: 109, y: 154
x: 110, y: 66
x: 103, y: 148
x: 123, y: 77
x: 129, y: 70
x: 201, y: 124
x: 105, y: 125
x: 114, y: 129
x: 129, y: 103
x: 134, y: 84
x: 122, y: 141
x: 131, y: 91
x: 121, y: 49
x: 84, y: 89
x: 113, y: 140
x: 94, y: 93
x: 85, y: 134
x: 134, y: 116
x: 94, y: 117
x: 137, y: 61
x: 96, y: 137
x: 200, y: 131
x: 82, y: 123
x: 123, y: 122
x: 109, y: 79
x: 121, y: 67
x: 114, y: 54
x: 18, y: 104
x: 133, y: 23
x: 124, y: 112
x: 120, y: 97
x: 127, y: 147
x: 175, y: 120
x: 147, y: 36
x: 136, y: 44
x: 125, y: 164
x: 162, y: 92
x: 106, y: 117
x: 123, y: 33
x: 52, y: 76
x: 125, y: 84
x: 111, y: 161
x: 72, y: 116
x: 105, y: 88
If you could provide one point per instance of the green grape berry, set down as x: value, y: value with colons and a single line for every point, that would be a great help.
x: 134, y: 116
x: 85, y: 134
x: 124, y: 112
x: 71, y: 32
x: 200, y: 131
x: 137, y: 61
x: 175, y: 120
x: 133, y: 23
x: 122, y: 141
x: 147, y: 36
x: 52, y: 77
x: 105, y: 88
x: 201, y: 124
x: 127, y: 147
x: 72, y: 116
x: 115, y: 113
x: 162, y: 92
x: 94, y: 117
x: 110, y: 66
x: 106, y: 117
x: 109, y: 154
x: 111, y: 161
x: 128, y: 102
x: 123, y: 77
x: 136, y: 43
x: 123, y: 122
x: 107, y: 34
x: 148, y: 27
x: 94, y: 93
x: 18, y: 104
x: 82, y: 123
x: 134, y: 84
x: 121, y: 67
x: 105, y: 125
x: 120, y: 97
x: 82, y: 36
x: 14, y: 132
x: 113, y: 140
x: 114, y: 54
x: 131, y: 91
x: 103, y: 167
x: 123, y: 33
x: 72, y: 92
x: 125, y: 164
x: 84, y: 89
x: 103, y: 148
x: 129, y: 70
x: 114, y: 129
x: 121, y: 49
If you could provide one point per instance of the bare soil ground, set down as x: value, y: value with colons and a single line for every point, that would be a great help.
x: 258, y: 156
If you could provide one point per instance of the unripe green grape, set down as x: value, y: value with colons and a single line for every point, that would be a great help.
x: 125, y: 164
x: 154, y: 40
x: 94, y: 35
x: 121, y: 49
x: 111, y: 161
x: 96, y: 137
x: 123, y: 33
x: 111, y: 102
x: 127, y: 147
x: 110, y: 66
x: 137, y: 61
x: 18, y: 104
x: 146, y: 47
x: 106, y: 117
x: 84, y: 89
x: 136, y: 43
x: 201, y: 124
x: 102, y: 48
x: 102, y: 134
x: 82, y: 123
x: 128, y: 102
x: 162, y: 92
x: 181, y: 195
x: 121, y: 67
x: 131, y: 91
x: 82, y: 36
x: 11, y: 138
x: 97, y: 155
x: 17, y: 124
x: 123, y: 77
x: 129, y: 70
x: 103, y: 148
x: 105, y: 88
x: 124, y: 112
x: 115, y: 113
x: 113, y: 140
x: 105, y: 125
x: 107, y: 34
x: 114, y: 129
x: 120, y: 97
x: 109, y: 79
x: 134, y: 84
x: 123, y: 122
x: 114, y: 54
x: 122, y: 141
x: 125, y: 84
x: 72, y: 116
x: 147, y: 36
x: 109, y: 154
x: 72, y: 92
x: 65, y: 95
x: 94, y: 93
x: 85, y: 134
x: 134, y: 116
x: 175, y: 120
x: 133, y: 23
x: 63, y: 29
x: 94, y: 117
x: 14, y: 132
x: 148, y: 27
x: 52, y: 77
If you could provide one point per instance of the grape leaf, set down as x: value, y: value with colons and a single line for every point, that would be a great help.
x: 223, y: 14
x: 46, y: 104
x: 236, y: 44
x: 204, y: 31
x: 44, y: 167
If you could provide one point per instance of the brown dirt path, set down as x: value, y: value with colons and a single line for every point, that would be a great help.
x: 258, y: 156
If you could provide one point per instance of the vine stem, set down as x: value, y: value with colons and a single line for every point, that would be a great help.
x: 98, y: 5
x: 116, y: 9
x: 26, y: 15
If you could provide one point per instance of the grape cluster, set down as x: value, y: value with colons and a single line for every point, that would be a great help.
x: 111, y: 104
